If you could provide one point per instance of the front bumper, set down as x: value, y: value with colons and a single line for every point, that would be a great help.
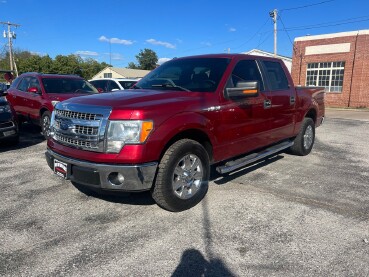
x: 94, y: 175
x: 8, y: 129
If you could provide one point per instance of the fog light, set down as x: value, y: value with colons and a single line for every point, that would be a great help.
x: 116, y: 178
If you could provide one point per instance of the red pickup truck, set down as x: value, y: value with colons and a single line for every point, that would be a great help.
x: 224, y: 110
x: 33, y: 95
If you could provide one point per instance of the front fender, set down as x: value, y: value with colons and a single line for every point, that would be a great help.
x: 178, y: 124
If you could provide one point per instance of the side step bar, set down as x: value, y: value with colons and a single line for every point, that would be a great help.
x: 233, y: 165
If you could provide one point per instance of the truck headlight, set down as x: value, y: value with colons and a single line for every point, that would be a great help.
x: 127, y: 132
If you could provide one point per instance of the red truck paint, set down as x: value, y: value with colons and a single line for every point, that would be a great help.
x: 202, y: 121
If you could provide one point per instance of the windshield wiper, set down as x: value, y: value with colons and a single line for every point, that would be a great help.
x: 170, y: 86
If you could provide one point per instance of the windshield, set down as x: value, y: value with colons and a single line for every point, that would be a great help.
x: 67, y: 85
x: 194, y: 74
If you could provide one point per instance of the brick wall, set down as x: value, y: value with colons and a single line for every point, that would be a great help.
x: 355, y: 91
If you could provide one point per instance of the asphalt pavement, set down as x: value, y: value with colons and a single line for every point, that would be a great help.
x: 284, y: 216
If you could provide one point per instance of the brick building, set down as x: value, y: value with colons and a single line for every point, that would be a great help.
x: 339, y: 62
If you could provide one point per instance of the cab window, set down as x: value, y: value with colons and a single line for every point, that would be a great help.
x: 276, y: 75
x: 245, y: 71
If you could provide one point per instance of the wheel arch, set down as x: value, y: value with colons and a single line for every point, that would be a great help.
x: 312, y: 114
x: 193, y: 134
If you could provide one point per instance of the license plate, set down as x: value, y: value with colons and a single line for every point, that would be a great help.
x: 60, y: 168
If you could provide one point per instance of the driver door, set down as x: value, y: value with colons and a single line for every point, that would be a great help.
x: 245, y: 123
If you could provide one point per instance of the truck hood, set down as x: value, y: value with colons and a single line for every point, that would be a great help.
x: 138, y: 99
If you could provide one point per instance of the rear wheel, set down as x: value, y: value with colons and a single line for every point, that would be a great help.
x: 45, y: 124
x: 304, y: 141
x: 183, y: 176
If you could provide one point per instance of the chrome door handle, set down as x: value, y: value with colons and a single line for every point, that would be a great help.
x: 267, y: 104
x: 292, y: 100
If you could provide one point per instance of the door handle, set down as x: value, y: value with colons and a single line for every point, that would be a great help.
x: 267, y: 104
x: 292, y: 100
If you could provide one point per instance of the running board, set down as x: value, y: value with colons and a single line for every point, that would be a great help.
x: 232, y: 165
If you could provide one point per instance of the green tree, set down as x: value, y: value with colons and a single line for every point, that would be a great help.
x: 147, y: 59
x: 71, y: 64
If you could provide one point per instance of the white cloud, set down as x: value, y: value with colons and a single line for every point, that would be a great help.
x: 231, y: 29
x: 86, y: 53
x: 115, y: 40
x: 161, y: 43
x: 163, y: 60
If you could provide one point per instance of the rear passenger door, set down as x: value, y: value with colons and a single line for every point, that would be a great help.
x: 282, y: 100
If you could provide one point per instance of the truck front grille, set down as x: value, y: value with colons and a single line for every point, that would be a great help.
x: 80, y: 126
x: 78, y: 115
x: 86, y: 130
x: 75, y: 142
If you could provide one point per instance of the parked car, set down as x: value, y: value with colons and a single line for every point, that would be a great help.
x: 113, y: 84
x: 34, y: 95
x: 226, y: 110
x: 8, y: 122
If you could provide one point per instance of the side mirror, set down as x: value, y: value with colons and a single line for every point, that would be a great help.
x: 243, y: 90
x: 33, y: 90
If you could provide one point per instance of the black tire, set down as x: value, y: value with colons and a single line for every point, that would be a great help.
x: 304, y: 141
x: 183, y: 176
x: 45, y: 124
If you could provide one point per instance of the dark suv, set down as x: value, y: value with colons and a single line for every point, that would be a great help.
x: 34, y: 95
x: 8, y: 123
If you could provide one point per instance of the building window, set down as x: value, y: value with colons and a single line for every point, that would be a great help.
x: 327, y: 74
x: 108, y: 75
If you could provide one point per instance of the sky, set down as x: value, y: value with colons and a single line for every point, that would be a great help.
x: 115, y: 31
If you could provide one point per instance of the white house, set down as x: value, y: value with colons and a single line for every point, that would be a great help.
x: 116, y: 72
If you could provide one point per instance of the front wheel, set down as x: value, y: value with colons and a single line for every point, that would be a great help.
x: 183, y: 176
x: 45, y: 124
x: 304, y: 141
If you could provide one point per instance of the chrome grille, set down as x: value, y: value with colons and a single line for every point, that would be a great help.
x: 86, y: 130
x: 75, y: 142
x: 78, y: 115
x: 80, y: 126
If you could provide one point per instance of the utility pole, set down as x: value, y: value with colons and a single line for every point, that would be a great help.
x: 11, y: 35
x: 273, y: 15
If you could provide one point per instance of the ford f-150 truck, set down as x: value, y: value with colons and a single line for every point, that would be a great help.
x: 191, y: 113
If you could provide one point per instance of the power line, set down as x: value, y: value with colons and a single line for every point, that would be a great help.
x: 284, y: 27
x: 255, y: 34
x: 306, y: 6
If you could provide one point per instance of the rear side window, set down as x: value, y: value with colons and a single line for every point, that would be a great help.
x: 276, y: 75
